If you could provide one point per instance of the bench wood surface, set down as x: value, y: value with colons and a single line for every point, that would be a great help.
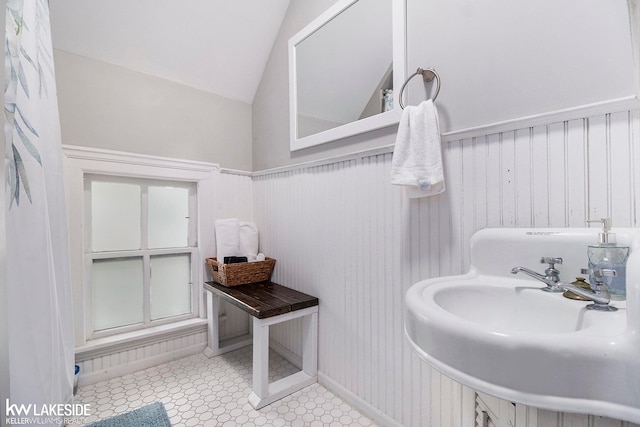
x: 263, y: 299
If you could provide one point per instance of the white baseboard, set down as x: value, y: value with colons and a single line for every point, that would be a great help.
x: 365, y: 408
x: 293, y: 358
x: 137, y: 365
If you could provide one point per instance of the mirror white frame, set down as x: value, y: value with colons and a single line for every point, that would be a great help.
x: 377, y: 121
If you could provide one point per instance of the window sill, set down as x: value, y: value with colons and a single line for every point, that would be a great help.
x: 129, y: 340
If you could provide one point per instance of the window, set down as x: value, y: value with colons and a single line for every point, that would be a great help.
x: 140, y: 251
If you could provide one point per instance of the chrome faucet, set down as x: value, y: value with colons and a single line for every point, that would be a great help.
x: 551, y: 275
x: 599, y: 292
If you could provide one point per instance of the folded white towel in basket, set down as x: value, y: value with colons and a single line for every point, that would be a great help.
x: 249, y: 239
x: 227, y: 238
x: 417, y: 156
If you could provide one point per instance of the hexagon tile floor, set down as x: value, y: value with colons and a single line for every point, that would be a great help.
x: 198, y: 391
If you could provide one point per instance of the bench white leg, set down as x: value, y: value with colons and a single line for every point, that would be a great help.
x: 310, y: 344
x: 264, y: 393
x: 214, y: 346
x: 260, y: 360
x: 213, y: 315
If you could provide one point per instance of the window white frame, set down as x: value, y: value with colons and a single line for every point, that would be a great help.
x: 145, y: 253
x: 80, y: 161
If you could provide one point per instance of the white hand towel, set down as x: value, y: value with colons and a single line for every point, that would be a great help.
x: 248, y: 239
x: 227, y: 238
x: 417, y: 156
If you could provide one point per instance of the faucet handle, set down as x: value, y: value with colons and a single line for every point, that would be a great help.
x: 599, y: 273
x: 551, y: 261
x: 599, y: 288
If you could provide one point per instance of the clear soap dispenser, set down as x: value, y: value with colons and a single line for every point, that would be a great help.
x: 607, y: 254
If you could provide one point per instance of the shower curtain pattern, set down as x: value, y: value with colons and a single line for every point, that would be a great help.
x: 41, y: 347
x: 17, y: 57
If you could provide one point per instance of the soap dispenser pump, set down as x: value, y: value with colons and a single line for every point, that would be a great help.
x: 607, y: 254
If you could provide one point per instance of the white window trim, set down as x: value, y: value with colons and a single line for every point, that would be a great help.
x: 80, y: 161
x: 145, y: 254
x: 90, y: 334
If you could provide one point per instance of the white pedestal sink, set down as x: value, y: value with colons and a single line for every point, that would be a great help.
x: 499, y: 333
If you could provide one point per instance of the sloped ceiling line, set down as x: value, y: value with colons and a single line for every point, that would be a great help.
x: 217, y: 46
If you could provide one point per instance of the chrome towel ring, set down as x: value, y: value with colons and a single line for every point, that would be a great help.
x: 428, y: 74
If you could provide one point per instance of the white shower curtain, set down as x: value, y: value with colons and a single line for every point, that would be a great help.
x: 41, y: 347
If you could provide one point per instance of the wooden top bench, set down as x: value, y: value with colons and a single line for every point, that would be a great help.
x: 269, y: 304
x: 263, y: 299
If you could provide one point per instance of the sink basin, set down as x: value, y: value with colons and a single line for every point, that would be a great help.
x: 501, y: 334
x: 511, y: 307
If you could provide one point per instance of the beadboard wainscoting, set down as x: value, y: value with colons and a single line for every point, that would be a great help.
x: 341, y: 232
x: 113, y: 361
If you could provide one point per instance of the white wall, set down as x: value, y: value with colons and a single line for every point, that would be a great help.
x: 634, y: 17
x: 341, y: 232
x: 517, y: 59
x: 506, y: 61
x: 110, y: 107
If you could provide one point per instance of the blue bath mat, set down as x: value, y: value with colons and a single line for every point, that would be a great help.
x: 152, y: 415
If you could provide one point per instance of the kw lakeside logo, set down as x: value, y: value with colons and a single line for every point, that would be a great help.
x: 57, y: 413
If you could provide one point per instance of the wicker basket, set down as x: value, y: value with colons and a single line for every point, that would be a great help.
x: 242, y: 272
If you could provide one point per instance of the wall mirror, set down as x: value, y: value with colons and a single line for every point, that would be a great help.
x: 345, y: 70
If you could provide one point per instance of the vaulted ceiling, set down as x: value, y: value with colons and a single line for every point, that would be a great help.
x: 219, y: 46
